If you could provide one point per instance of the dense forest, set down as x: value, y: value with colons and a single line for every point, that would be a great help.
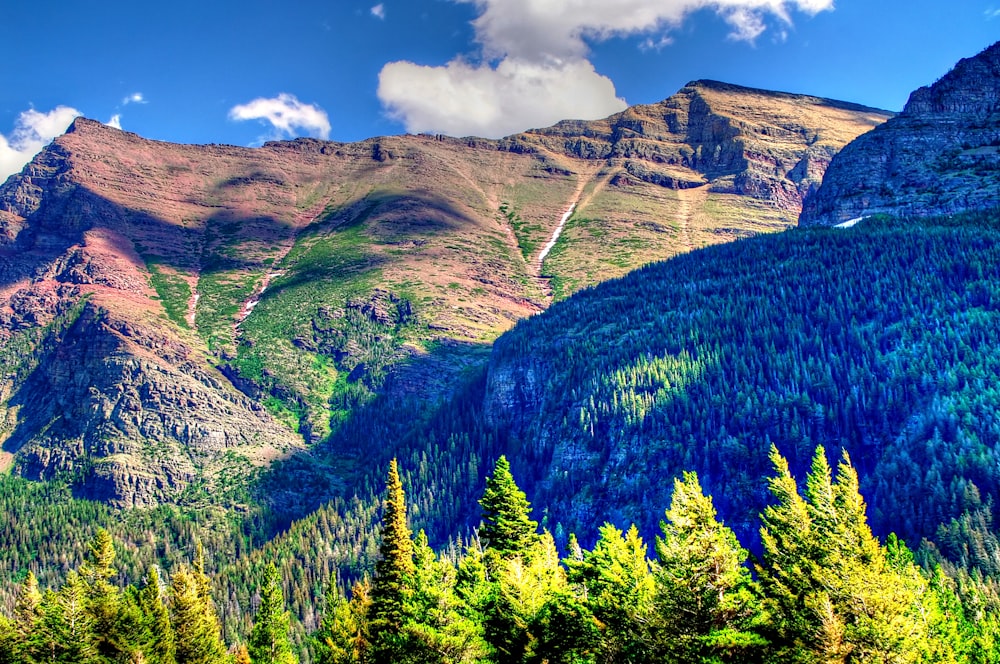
x: 877, y: 340
x: 823, y: 590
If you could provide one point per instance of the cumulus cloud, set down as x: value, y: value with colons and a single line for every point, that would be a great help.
x: 463, y: 99
x: 134, y: 98
x: 378, y: 11
x: 287, y: 115
x: 527, y: 42
x: 33, y: 130
x: 115, y: 121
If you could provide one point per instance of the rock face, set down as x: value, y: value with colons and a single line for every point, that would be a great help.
x: 153, y: 297
x: 941, y: 155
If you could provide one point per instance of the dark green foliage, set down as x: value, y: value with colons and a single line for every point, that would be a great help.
x: 619, y: 585
x: 874, y: 339
x: 268, y: 642
x: 830, y: 592
x: 507, y: 526
x: 393, y: 585
x: 158, y: 634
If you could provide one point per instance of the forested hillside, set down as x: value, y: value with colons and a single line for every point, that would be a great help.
x: 824, y: 589
x: 877, y: 339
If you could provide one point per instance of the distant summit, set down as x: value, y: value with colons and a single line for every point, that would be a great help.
x: 941, y: 155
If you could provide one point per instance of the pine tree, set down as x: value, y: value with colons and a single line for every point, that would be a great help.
x: 27, y: 605
x: 159, y: 634
x: 63, y: 632
x: 617, y: 581
x: 269, y: 643
x: 835, y: 591
x: 99, y: 564
x: 104, y: 598
x: 342, y: 637
x: 705, y: 598
x: 11, y: 643
x: 393, y: 585
x: 195, y: 626
x: 507, y: 526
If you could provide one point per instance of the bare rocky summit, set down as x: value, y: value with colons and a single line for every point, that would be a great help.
x: 173, y: 316
x: 941, y: 155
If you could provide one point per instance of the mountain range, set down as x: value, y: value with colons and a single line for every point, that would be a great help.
x: 173, y: 316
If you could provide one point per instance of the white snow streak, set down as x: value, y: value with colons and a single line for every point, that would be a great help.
x: 555, y: 236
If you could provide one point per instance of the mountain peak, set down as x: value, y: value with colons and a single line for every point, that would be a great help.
x: 939, y: 156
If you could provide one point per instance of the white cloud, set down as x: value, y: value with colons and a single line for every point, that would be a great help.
x: 463, y: 99
x: 525, y: 42
x: 32, y: 132
x: 115, y: 121
x: 378, y: 11
x: 287, y: 115
x: 134, y: 98
x: 992, y: 14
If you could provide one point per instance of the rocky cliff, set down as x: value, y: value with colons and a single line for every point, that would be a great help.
x: 941, y: 155
x: 172, y: 316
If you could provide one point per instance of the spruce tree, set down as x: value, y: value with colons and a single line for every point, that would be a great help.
x: 269, y: 643
x: 393, y: 585
x: 507, y: 526
x: 618, y: 583
x: 195, y: 625
x: 27, y: 605
x: 11, y: 643
x: 705, y: 598
x: 103, y: 596
x: 159, y: 634
x: 836, y: 592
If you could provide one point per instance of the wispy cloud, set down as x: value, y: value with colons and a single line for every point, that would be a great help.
x: 134, y: 98
x: 378, y: 11
x: 529, y: 46
x: 33, y: 130
x: 287, y: 116
x: 115, y: 121
x: 992, y: 13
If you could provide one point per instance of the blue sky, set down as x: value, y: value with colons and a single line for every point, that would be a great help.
x: 215, y: 71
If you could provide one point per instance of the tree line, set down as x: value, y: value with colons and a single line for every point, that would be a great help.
x: 824, y: 589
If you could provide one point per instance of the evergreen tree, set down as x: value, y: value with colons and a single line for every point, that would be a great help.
x: 705, y: 599
x: 269, y: 643
x: 838, y: 593
x: 440, y: 628
x: 507, y: 526
x: 110, y: 633
x: 11, y: 643
x: 393, y: 585
x: 618, y: 585
x: 343, y: 634
x: 27, y: 605
x: 159, y: 634
x: 63, y: 632
x: 195, y: 625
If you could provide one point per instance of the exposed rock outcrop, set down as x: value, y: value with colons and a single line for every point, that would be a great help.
x: 941, y: 155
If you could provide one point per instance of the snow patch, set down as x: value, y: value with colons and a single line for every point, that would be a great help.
x: 555, y: 236
x: 850, y: 223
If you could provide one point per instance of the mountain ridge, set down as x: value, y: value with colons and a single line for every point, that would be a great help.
x: 289, y: 284
x: 936, y: 157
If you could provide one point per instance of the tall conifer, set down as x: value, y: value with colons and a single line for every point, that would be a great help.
x: 507, y: 525
x: 392, y: 587
x: 269, y: 643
